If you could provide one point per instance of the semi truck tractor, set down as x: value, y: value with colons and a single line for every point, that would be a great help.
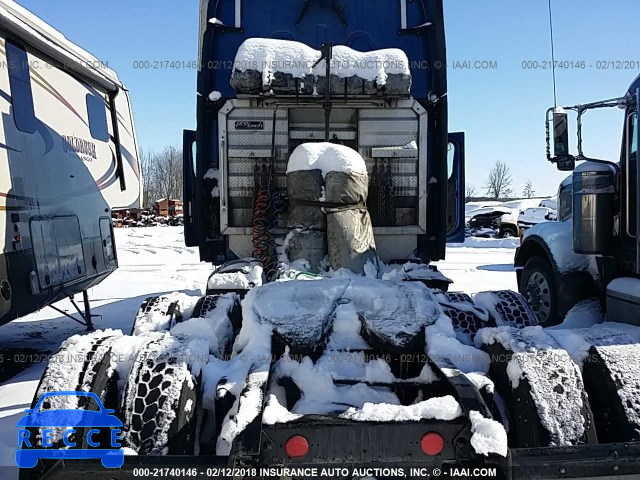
x: 322, y: 181
x: 594, y: 251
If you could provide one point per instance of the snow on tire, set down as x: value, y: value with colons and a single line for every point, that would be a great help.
x: 466, y: 317
x: 217, y: 318
x: 541, y: 385
x: 159, y: 402
x: 157, y: 314
x: 507, y: 308
x: 613, y: 384
x: 83, y: 364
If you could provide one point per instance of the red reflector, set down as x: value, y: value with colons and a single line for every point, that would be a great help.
x: 297, y: 447
x: 432, y: 443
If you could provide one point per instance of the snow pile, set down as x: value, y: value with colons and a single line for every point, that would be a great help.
x: 439, y: 408
x: 488, y: 436
x: 242, y: 378
x: 559, y: 238
x: 327, y: 157
x: 301, y: 312
x: 346, y: 365
x: 157, y: 320
x: 319, y: 394
x: 578, y: 341
x: 412, y: 271
x: 248, y: 277
x: 625, y: 286
x: 246, y: 408
x: 481, y: 381
x: 215, y: 327
x: 479, y: 242
x: 446, y: 350
x: 584, y: 314
x: 213, y: 174
x: 297, y: 59
x: 274, y: 412
x: 515, y: 339
x: 346, y: 329
x: 273, y: 55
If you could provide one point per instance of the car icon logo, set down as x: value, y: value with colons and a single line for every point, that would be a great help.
x: 59, y: 425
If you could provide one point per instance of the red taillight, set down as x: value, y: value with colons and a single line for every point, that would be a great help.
x: 432, y: 444
x: 297, y: 447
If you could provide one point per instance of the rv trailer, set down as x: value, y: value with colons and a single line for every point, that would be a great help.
x: 68, y: 155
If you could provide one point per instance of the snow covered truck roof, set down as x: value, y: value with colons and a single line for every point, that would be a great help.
x: 34, y: 31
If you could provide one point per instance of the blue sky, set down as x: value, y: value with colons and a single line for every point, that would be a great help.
x: 501, y: 110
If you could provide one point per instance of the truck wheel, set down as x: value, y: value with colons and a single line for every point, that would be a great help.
x: 156, y: 314
x: 507, y: 307
x: 539, y: 287
x: 92, y: 374
x: 159, y: 403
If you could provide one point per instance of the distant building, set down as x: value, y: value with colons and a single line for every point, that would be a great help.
x: 132, y: 213
x: 167, y: 207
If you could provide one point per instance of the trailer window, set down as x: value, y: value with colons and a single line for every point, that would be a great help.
x: 97, y: 112
x: 20, y: 85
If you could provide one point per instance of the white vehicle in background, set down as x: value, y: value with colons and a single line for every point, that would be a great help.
x: 68, y: 155
x: 508, y: 219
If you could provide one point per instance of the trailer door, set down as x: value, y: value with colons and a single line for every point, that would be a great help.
x: 455, y: 189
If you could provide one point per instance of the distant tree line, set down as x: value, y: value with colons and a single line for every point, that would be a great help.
x: 161, y: 174
x: 499, y: 185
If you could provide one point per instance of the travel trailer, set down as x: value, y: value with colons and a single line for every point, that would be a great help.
x: 68, y: 155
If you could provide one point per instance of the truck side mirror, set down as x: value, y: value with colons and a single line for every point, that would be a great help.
x: 564, y: 161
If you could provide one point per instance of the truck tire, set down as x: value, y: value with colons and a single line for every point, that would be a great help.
x: 93, y: 374
x: 538, y: 286
x: 466, y: 317
x: 159, y: 402
x: 507, y: 308
x: 539, y: 277
x: 156, y: 314
x: 209, y: 303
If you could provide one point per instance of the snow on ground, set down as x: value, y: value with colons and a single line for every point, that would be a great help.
x: 155, y: 261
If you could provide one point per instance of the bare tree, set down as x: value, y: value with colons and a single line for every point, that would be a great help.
x: 169, y: 172
x: 470, y: 191
x: 149, y: 187
x: 499, y: 182
x: 161, y: 174
x: 528, y: 191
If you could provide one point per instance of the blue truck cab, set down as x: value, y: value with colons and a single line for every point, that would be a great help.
x: 421, y: 204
